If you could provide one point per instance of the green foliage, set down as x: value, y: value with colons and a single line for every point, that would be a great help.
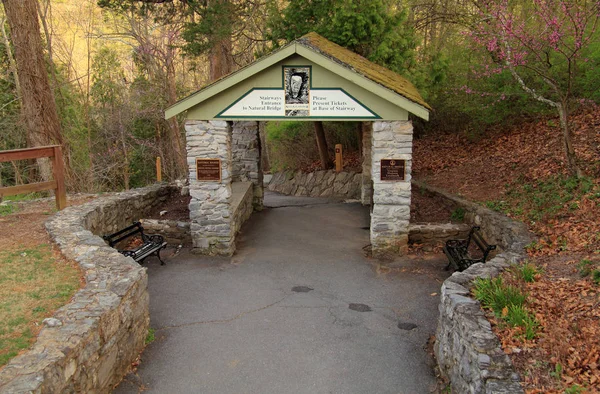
x: 528, y: 272
x: 496, y: 295
x: 596, y: 276
x: 292, y: 143
x: 558, y: 371
x: 585, y: 267
x: 500, y: 206
x: 151, y: 336
x: 215, y: 23
x: 546, y: 198
x: 574, y: 389
x: 458, y: 214
x: 518, y: 316
x: 508, y: 303
x: 375, y: 29
x: 7, y: 209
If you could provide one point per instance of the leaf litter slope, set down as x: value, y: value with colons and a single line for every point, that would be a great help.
x: 522, y: 172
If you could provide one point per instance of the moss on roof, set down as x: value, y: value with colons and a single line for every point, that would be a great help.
x: 362, y: 66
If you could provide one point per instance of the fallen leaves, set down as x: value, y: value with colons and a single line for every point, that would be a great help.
x: 567, y: 350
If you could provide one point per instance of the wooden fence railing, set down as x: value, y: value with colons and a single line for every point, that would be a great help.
x: 58, y: 184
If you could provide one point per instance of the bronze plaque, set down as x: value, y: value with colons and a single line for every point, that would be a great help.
x: 392, y: 169
x: 208, y: 170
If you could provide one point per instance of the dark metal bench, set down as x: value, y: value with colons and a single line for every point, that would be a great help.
x: 151, y: 244
x: 459, y: 256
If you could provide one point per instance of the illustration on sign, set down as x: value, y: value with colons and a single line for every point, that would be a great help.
x: 297, y: 99
x: 297, y: 87
x: 392, y: 169
x: 208, y: 169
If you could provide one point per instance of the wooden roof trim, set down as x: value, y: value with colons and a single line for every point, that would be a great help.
x: 364, y: 82
x: 230, y: 80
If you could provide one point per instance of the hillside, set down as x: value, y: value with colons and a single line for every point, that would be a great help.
x: 522, y: 172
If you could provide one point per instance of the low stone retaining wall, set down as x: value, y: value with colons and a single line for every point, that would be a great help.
x: 175, y: 232
x: 468, y: 353
x: 436, y: 233
x: 241, y: 203
x: 317, y: 184
x: 90, y: 343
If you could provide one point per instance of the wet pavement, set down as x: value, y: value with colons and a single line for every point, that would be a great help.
x: 298, y: 309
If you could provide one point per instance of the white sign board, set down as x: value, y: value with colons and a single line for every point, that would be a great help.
x: 258, y: 102
x: 335, y: 103
x: 322, y: 103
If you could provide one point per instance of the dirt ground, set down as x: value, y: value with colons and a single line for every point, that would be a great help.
x: 425, y: 208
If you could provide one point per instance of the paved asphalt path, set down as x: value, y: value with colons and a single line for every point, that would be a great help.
x: 276, y: 317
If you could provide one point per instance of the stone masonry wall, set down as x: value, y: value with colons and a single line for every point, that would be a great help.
x: 436, y: 233
x: 242, y: 204
x: 175, y: 232
x: 468, y: 352
x: 210, y: 205
x: 366, y: 190
x: 391, y: 200
x: 90, y: 343
x: 317, y: 184
x: 246, y: 163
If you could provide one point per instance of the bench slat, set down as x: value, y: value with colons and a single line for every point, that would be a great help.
x: 457, y: 250
x: 151, y: 244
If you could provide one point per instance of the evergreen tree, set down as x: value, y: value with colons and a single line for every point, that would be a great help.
x: 375, y: 29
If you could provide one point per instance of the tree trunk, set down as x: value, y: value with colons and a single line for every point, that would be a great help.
x: 221, y: 54
x: 175, y: 137
x: 322, y: 145
x: 359, y: 135
x: 266, y: 163
x: 574, y: 169
x: 38, y: 105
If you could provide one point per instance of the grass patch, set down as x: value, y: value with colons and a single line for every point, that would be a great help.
x: 585, y: 267
x: 596, y: 276
x: 495, y: 295
x: 508, y: 303
x: 545, y: 199
x: 7, y: 209
x: 32, y: 285
x: 528, y: 272
x: 151, y: 336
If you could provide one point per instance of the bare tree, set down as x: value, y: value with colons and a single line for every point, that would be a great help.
x: 38, y: 105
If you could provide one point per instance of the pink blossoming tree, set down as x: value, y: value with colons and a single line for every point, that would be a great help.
x: 541, y: 43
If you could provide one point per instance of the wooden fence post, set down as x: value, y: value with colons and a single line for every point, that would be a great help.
x: 339, y: 161
x: 158, y: 170
x: 58, y: 168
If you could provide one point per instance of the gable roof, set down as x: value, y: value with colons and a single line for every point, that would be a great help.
x: 380, y: 80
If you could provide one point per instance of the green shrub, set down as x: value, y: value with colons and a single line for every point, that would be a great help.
x: 596, y: 276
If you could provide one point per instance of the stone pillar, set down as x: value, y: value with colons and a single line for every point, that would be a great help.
x: 246, y: 155
x: 366, y: 188
x: 391, y: 210
x: 210, y: 206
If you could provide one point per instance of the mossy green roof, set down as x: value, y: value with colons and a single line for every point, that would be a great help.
x: 362, y: 66
x: 313, y: 43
